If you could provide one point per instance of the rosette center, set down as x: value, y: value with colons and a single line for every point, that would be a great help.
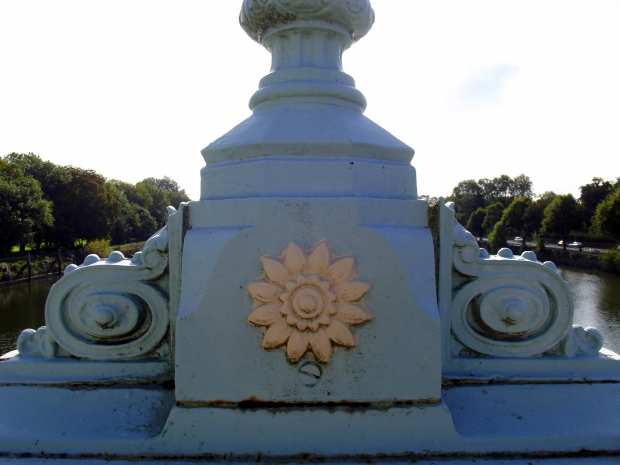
x: 308, y: 302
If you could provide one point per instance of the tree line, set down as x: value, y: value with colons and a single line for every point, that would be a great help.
x: 47, y: 205
x: 502, y: 207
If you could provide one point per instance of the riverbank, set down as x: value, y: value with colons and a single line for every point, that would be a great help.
x: 583, y: 261
x: 16, y: 269
x: 26, y: 280
x: 577, y: 260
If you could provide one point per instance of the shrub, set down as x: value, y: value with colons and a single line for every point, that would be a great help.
x: 540, y: 244
x: 99, y: 247
x: 497, y: 238
x: 612, y: 258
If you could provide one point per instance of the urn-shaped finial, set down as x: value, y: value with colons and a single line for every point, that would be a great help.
x: 258, y: 17
x: 306, y: 39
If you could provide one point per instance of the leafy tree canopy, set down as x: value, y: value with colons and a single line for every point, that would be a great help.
x: 493, y: 215
x: 475, y: 221
x: 535, y: 213
x: 521, y: 186
x: 594, y: 193
x: 137, y: 193
x: 165, y: 184
x: 497, y: 237
x: 23, y: 210
x: 607, y: 216
x: 562, y: 216
x: 59, y: 205
x: 514, y: 216
x: 469, y: 195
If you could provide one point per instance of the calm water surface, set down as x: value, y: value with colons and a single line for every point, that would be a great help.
x: 596, y: 294
x: 597, y: 302
x: 22, y: 306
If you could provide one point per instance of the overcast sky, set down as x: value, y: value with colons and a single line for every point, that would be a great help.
x: 136, y: 88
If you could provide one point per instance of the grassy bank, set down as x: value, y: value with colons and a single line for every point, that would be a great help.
x: 13, y: 269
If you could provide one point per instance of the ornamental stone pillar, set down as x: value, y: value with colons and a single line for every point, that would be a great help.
x: 308, y: 272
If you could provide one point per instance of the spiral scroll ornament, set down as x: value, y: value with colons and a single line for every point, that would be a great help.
x: 511, y: 315
x: 106, y: 309
x: 108, y: 319
x: 512, y: 306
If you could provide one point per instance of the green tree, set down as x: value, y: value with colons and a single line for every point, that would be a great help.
x: 83, y: 209
x: 137, y: 194
x: 133, y: 223
x: 176, y: 195
x: 535, y: 213
x: 488, y: 188
x: 160, y: 203
x: 607, y: 216
x: 514, y: 216
x: 467, y: 198
x: 493, y: 215
x: 147, y: 225
x: 497, y: 237
x: 521, y: 186
x: 474, y: 223
x: 563, y: 215
x: 503, y: 186
x: 592, y: 194
x: 22, y: 207
x: 52, y: 179
x: 164, y: 183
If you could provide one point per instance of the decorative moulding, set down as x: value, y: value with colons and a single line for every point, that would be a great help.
x: 259, y: 16
x: 308, y: 300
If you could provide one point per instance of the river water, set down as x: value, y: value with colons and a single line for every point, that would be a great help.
x: 596, y: 295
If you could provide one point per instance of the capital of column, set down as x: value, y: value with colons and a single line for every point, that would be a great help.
x: 259, y: 16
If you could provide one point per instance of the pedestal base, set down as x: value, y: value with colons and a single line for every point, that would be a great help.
x: 496, y: 422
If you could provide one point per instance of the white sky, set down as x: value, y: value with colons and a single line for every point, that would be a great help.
x: 136, y: 88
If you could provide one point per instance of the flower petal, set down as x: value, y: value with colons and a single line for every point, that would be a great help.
x: 297, y: 345
x: 341, y: 269
x: 351, y: 291
x: 285, y: 309
x: 318, y: 261
x: 265, y: 315
x: 321, y: 346
x: 275, y: 270
x: 276, y: 335
x: 292, y: 320
x: 264, y: 291
x: 294, y: 258
x: 341, y: 334
x: 352, y: 314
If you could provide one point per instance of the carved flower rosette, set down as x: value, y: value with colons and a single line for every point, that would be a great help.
x: 308, y: 300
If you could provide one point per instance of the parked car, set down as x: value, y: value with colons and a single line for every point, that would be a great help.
x: 518, y: 239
